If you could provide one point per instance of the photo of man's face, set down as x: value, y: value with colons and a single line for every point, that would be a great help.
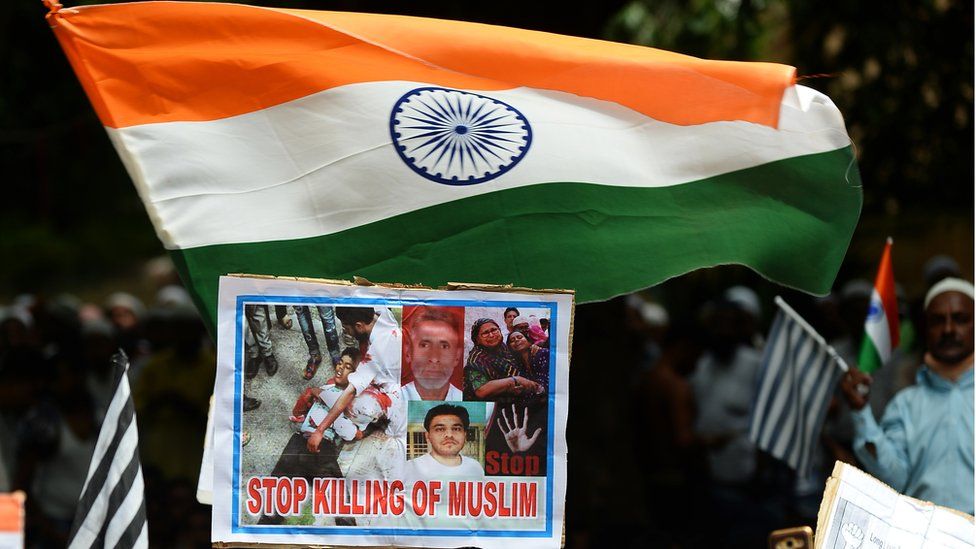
x: 434, y: 352
x: 446, y: 436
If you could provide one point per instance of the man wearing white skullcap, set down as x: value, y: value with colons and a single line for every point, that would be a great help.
x: 924, y: 444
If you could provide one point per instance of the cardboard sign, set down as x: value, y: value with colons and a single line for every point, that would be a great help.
x: 370, y: 415
x: 859, y: 511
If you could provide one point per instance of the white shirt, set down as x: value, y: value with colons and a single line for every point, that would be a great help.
x: 724, y: 394
x: 410, y: 391
x: 342, y: 426
x: 381, y: 365
x: 426, y: 467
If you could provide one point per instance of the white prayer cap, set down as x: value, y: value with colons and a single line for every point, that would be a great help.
x: 634, y: 301
x: 520, y: 319
x: 949, y: 285
x: 654, y: 314
x: 96, y: 327
x: 24, y: 300
x: 746, y: 299
x: 126, y: 301
x: 173, y: 297
x: 19, y: 313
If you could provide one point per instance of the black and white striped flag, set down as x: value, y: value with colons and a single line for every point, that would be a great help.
x: 797, y: 378
x: 112, y: 508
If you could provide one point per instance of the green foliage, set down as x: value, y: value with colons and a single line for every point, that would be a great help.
x: 901, y: 72
x: 742, y: 30
x: 904, y: 79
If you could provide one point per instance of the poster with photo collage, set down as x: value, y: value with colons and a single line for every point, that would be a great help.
x: 371, y: 415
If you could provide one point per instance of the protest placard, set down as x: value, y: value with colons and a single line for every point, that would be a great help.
x: 389, y: 415
x: 859, y: 511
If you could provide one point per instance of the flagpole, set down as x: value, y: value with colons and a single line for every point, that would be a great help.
x: 813, y: 333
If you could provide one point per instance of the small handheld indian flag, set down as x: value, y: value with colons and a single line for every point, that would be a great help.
x: 881, y: 325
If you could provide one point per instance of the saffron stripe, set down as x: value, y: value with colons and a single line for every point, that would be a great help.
x: 151, y: 62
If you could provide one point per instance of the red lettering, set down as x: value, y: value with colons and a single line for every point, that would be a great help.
x: 343, y: 504
x: 378, y: 496
x: 456, y: 499
x: 491, y: 462
x: 396, y: 506
x: 503, y: 511
x: 283, y: 496
x: 474, y: 506
x: 491, y: 504
x: 320, y: 505
x: 518, y: 465
x: 419, y: 498
x: 301, y: 492
x: 435, y: 496
x: 501, y: 463
x: 254, y: 495
x: 268, y: 483
x: 336, y: 492
x: 528, y: 499
x: 357, y: 507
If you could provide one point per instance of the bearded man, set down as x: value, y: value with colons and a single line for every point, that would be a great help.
x: 923, y: 446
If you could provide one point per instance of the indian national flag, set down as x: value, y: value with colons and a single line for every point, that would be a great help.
x: 325, y: 144
x: 881, y: 330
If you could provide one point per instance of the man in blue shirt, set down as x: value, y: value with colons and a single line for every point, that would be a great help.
x: 924, y: 444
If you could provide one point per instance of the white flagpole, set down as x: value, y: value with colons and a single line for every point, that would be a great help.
x: 813, y: 333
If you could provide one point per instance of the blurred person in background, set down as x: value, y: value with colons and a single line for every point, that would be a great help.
x: 649, y: 322
x: 16, y: 328
x: 172, y: 393
x: 724, y: 387
x: 98, y: 344
x: 57, y: 437
x: 127, y: 315
x: 674, y: 462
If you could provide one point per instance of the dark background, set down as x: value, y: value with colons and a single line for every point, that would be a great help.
x: 901, y: 72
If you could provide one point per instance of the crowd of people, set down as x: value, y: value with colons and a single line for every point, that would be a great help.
x: 693, y: 384
x: 658, y: 431
x: 55, y: 386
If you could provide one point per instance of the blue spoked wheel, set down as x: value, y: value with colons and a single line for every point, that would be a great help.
x: 456, y: 137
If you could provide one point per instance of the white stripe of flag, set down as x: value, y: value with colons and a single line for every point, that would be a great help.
x: 798, y: 374
x: 112, y: 507
x: 876, y: 327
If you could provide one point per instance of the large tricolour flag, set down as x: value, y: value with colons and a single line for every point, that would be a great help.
x: 328, y: 144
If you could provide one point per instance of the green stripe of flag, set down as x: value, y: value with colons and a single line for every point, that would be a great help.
x: 868, y: 359
x: 789, y: 220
